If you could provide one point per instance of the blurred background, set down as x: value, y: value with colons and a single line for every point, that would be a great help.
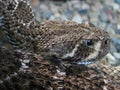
x: 105, y: 14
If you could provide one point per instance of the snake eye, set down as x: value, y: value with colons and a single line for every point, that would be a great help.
x: 107, y: 41
x: 89, y: 42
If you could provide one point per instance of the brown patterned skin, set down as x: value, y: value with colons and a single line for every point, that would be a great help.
x: 107, y: 70
x: 64, y: 40
x: 43, y: 75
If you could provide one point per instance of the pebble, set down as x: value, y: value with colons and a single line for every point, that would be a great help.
x: 110, y: 30
x: 69, y: 13
x: 116, y: 7
x: 85, y: 63
x: 117, y: 1
x: 58, y: 16
x: 116, y: 41
x: 112, y: 60
x: 118, y: 26
x: 84, y: 9
x: 47, y: 14
x: 117, y: 55
x: 117, y: 31
x: 54, y: 8
x: 113, y: 48
x: 105, y: 14
x: 94, y: 17
x: 75, y: 4
x: 103, y: 17
x: 34, y: 3
x: 77, y: 18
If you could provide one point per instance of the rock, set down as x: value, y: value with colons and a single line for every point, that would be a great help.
x: 47, y: 14
x: 117, y: 31
x: 113, y: 48
x: 116, y: 6
x: 115, y: 40
x: 75, y: 4
x: 58, y: 16
x: 37, y: 17
x: 111, y: 31
x: 103, y: 17
x: 117, y: 55
x: 112, y: 60
x: 84, y: 18
x: 77, y: 18
x: 107, y: 14
x: 69, y: 13
x: 59, y: 0
x: 54, y: 8
x: 116, y: 43
x: 84, y: 9
x: 34, y: 3
x: 117, y: 1
x: 85, y: 63
x: 118, y: 26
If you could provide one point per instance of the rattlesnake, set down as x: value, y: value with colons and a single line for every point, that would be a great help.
x: 64, y: 41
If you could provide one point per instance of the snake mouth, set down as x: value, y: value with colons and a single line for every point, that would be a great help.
x: 85, y: 62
